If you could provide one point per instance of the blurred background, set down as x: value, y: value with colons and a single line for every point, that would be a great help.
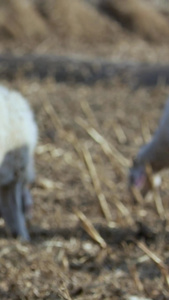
x: 133, y: 29
x: 96, y: 73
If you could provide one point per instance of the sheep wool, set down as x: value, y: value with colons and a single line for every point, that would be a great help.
x: 18, y: 139
x: 17, y: 125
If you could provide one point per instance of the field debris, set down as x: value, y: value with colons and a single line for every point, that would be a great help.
x: 89, y: 238
x: 90, y: 229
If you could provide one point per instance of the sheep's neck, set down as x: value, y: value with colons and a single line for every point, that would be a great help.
x: 156, y: 153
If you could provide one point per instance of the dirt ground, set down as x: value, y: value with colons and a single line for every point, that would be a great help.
x: 88, y: 136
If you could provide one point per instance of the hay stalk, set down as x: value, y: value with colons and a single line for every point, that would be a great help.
x: 89, y: 228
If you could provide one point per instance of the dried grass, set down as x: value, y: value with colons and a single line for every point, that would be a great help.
x: 140, y: 17
x: 116, y: 158
x: 156, y: 194
x: 160, y: 264
x: 20, y: 20
x: 90, y: 229
x: 76, y: 20
x: 97, y: 186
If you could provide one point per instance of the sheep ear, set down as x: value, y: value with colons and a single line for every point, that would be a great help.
x: 11, y: 206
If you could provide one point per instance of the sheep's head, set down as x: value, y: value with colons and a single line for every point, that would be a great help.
x: 140, y: 177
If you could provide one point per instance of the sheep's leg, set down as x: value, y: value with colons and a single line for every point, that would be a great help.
x: 11, y: 206
x: 27, y: 203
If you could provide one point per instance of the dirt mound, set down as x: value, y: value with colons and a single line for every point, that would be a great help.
x: 19, y: 19
x: 77, y: 20
x: 140, y: 17
x: 68, y: 22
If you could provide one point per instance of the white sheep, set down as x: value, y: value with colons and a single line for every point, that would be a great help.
x: 18, y: 139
